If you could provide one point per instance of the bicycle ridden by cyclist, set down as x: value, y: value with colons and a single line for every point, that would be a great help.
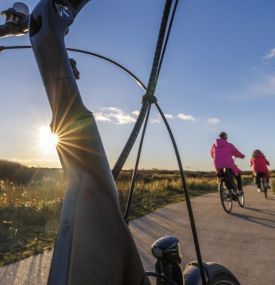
x: 259, y: 165
x: 222, y: 153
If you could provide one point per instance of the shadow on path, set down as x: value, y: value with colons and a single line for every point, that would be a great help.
x: 256, y: 220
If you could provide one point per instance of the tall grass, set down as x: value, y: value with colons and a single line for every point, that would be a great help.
x: 29, y: 213
x: 150, y: 195
x: 29, y: 217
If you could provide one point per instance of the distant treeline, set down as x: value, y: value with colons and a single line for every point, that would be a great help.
x: 21, y: 174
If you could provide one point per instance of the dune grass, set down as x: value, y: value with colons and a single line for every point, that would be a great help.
x: 28, y: 218
x: 157, y: 193
x: 29, y: 214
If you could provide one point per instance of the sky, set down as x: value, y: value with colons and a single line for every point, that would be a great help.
x: 218, y: 75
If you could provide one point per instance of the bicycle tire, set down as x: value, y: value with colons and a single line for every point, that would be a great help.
x: 264, y: 185
x: 226, y: 197
x: 220, y: 275
x: 241, y: 199
x: 265, y: 193
x: 216, y: 274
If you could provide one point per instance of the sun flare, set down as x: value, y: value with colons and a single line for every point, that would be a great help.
x: 47, y: 140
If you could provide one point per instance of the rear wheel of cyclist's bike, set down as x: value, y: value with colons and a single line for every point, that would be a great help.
x: 264, y: 187
x: 265, y: 193
x: 226, y: 197
x: 240, y: 196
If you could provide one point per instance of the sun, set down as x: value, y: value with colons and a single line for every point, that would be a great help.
x: 47, y: 140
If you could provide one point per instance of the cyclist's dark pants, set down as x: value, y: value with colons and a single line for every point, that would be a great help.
x: 237, y: 177
x: 258, y: 177
x: 239, y: 181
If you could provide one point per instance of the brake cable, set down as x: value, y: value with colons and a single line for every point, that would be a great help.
x: 138, y: 81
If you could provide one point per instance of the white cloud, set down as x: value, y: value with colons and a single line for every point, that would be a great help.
x: 270, y: 54
x: 155, y: 121
x: 169, y: 116
x: 115, y: 115
x: 123, y: 118
x: 186, y: 117
x: 135, y: 113
x: 101, y: 117
x: 112, y: 109
x: 213, y: 121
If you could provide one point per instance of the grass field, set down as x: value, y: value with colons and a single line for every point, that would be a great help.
x: 29, y: 213
x: 273, y: 185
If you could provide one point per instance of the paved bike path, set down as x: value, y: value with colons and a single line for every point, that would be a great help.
x: 243, y: 241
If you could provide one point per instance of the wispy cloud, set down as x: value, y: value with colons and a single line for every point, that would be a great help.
x: 213, y: 121
x: 115, y: 115
x: 169, y: 116
x: 155, y: 121
x: 270, y: 54
x: 135, y: 113
x: 186, y: 117
x: 101, y: 117
x: 266, y: 87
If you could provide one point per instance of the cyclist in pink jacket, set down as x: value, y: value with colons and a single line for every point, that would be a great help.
x: 222, y: 153
x: 259, y: 165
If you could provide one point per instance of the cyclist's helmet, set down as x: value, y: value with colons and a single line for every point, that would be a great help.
x: 223, y: 135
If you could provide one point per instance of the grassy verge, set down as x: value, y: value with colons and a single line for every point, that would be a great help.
x: 29, y: 219
x: 273, y: 185
x: 29, y: 215
x: 157, y: 193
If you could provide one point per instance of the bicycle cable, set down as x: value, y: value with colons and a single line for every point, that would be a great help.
x: 138, y: 81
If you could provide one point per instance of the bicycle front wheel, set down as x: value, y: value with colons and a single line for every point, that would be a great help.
x: 226, y: 197
x: 222, y: 276
x: 217, y: 274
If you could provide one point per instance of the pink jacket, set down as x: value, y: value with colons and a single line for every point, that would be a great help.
x: 259, y: 164
x: 222, y: 152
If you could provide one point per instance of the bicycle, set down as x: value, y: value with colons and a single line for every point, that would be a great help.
x: 262, y: 181
x: 87, y: 233
x: 229, y: 191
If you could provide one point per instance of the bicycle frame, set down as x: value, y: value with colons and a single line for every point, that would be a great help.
x: 228, y: 177
x: 91, y: 215
x: 262, y: 183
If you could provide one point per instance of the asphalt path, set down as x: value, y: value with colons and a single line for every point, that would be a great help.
x: 243, y: 241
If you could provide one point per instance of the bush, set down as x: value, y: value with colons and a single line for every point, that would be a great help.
x: 15, y: 172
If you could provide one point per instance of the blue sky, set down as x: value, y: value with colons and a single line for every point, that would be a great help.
x: 218, y: 74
